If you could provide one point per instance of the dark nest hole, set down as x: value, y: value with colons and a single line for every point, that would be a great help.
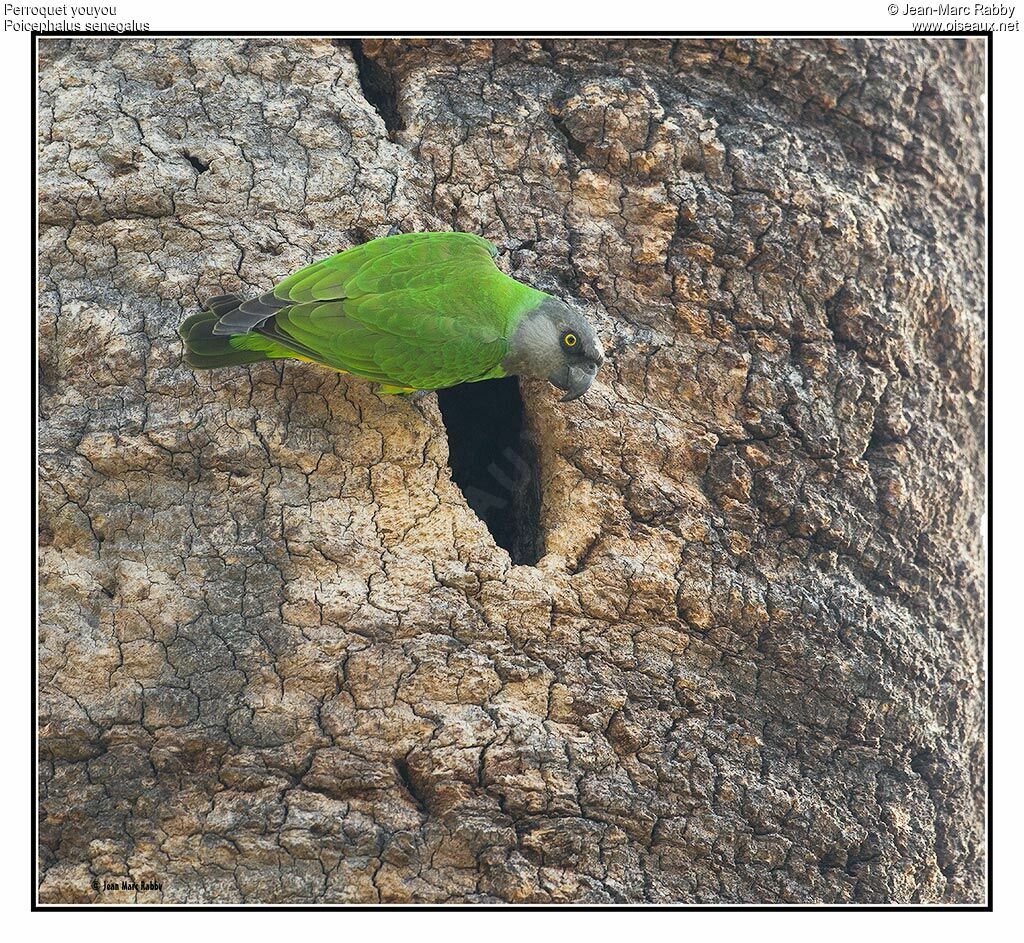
x: 494, y: 461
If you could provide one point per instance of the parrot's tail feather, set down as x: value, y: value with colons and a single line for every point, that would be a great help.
x: 240, y: 317
x: 204, y: 349
x: 223, y: 304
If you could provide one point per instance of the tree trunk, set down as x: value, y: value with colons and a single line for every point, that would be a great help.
x: 723, y: 641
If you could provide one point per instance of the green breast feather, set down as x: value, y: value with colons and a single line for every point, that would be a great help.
x: 418, y: 311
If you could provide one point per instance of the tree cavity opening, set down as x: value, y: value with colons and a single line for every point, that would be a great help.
x: 494, y: 461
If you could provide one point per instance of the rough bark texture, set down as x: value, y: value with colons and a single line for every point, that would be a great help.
x: 280, y: 657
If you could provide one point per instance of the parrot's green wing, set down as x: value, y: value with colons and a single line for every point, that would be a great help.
x: 420, y: 311
x: 382, y: 264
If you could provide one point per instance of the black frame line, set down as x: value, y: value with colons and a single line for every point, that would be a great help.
x: 629, y: 34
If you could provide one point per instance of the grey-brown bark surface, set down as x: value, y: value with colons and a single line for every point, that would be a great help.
x: 282, y: 660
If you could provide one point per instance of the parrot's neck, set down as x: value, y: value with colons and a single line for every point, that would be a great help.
x: 533, y: 348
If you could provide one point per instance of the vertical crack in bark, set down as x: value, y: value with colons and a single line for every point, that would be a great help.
x: 379, y: 88
x: 410, y: 786
x: 575, y: 144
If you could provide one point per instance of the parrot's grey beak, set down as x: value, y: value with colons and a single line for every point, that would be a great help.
x: 575, y: 380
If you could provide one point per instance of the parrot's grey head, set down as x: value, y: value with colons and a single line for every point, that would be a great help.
x: 555, y: 343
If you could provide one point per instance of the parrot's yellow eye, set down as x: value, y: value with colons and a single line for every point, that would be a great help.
x: 570, y: 339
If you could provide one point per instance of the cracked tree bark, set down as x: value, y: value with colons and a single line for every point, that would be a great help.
x: 281, y: 660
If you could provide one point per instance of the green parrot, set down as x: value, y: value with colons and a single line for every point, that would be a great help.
x: 421, y: 311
